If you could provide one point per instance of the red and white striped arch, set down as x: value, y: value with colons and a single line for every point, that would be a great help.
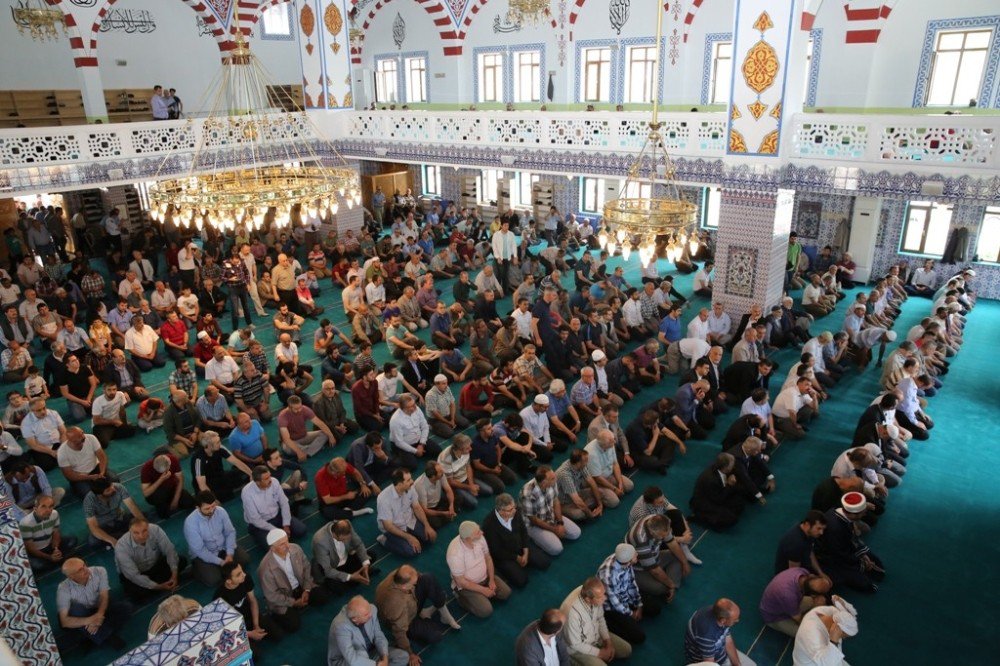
x: 451, y: 36
x: 866, y: 19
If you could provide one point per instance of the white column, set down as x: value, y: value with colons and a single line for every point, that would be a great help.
x: 92, y: 90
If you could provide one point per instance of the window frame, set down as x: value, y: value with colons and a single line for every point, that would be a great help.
x: 600, y: 186
x: 961, y: 57
x: 713, y: 84
x: 496, y: 70
x: 648, y: 64
x: 534, y: 88
x: 382, y: 79
x: 431, y: 173
x: 928, y: 208
x: 993, y: 213
x: 286, y: 28
x: 711, y: 200
x: 587, y: 66
x: 522, y: 180
x: 486, y: 185
x: 408, y: 76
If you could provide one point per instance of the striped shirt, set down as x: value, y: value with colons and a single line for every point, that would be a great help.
x: 647, y: 547
x: 641, y: 509
x: 39, y: 533
x: 705, y: 638
x: 250, y: 391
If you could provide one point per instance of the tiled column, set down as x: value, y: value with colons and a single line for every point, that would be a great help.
x: 23, y: 621
x: 769, y: 65
x: 751, y: 248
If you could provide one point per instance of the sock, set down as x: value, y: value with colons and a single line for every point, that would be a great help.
x: 426, y: 613
x: 447, y: 618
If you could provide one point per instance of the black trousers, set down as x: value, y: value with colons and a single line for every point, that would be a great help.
x: 342, y: 510
x: 161, y: 497
x: 517, y: 576
x: 158, y: 573
x: 627, y: 627
x: 291, y: 620
x: 338, y: 587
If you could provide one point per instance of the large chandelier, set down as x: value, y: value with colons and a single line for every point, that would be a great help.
x: 527, y: 11
x: 281, y: 177
x: 649, y: 209
x: 38, y: 19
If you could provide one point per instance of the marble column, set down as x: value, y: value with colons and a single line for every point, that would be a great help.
x: 92, y: 90
x: 23, y: 621
x: 751, y: 248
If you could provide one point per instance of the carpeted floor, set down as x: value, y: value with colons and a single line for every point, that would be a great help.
x: 941, y: 523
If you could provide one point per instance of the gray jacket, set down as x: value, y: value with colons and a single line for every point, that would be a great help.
x: 325, y: 553
x: 346, y: 644
x: 275, y: 584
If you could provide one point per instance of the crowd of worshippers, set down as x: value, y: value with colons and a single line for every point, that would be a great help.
x: 547, y: 378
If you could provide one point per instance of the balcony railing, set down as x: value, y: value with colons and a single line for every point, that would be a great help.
x: 63, y: 158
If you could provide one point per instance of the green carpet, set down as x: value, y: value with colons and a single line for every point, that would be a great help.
x: 940, y: 520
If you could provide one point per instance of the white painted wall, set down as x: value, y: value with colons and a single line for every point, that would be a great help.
x: 854, y: 75
x: 173, y: 55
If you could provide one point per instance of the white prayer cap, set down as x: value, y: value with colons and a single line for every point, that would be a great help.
x: 275, y: 535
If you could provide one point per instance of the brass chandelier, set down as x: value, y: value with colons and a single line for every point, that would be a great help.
x: 527, y: 11
x: 38, y: 19
x: 649, y: 208
x: 281, y: 176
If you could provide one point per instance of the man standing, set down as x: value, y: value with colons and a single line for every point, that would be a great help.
x: 707, y: 637
x: 504, y: 252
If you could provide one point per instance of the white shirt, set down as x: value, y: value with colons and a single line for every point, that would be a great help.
x: 286, y: 565
x: 790, y: 401
x: 815, y: 347
x: 185, y: 258
x: 108, y: 409
x: 187, y: 304
x: 407, y: 431
x: 504, y: 245
x: 698, y: 329
x: 388, y: 386
x: 751, y: 407
x: 811, y: 294
x: 694, y: 348
x: 812, y: 641
x: 549, y: 649
x: 601, y: 377
x: 142, y: 342
x: 536, y: 424
x: 125, y: 287
x: 83, y: 461
x: 523, y: 320
x: 632, y: 312
x: 701, y: 280
x: 225, y: 371
x: 287, y: 352
x: 160, y: 301
x: 923, y: 277
x: 375, y: 293
x: 143, y: 268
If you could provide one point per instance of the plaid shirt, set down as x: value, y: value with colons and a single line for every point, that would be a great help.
x: 259, y: 361
x: 213, y: 272
x: 622, y: 590
x: 184, y: 381
x: 92, y: 285
x: 641, y: 509
x: 538, y: 502
x: 570, y: 480
x: 648, y: 306
x: 235, y: 272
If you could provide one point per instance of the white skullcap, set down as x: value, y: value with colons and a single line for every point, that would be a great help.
x: 275, y: 535
x: 541, y: 399
x: 624, y: 553
x: 598, y: 355
x: 440, y: 378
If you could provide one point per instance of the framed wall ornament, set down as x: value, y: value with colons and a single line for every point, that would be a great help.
x: 808, y: 219
x: 741, y: 266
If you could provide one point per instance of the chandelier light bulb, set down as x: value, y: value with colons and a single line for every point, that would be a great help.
x: 611, y: 248
x: 621, y: 235
x: 602, y: 239
x: 626, y: 251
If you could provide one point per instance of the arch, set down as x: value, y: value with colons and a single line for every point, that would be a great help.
x: 81, y: 56
x: 199, y: 7
x: 450, y: 38
x: 578, y: 6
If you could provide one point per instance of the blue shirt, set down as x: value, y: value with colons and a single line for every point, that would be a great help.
x: 671, y: 328
x: 485, y: 451
x: 248, y: 443
x: 441, y: 323
x: 558, y: 406
x: 704, y: 638
x: 207, y: 537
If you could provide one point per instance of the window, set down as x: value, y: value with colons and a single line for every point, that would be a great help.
x: 522, y: 188
x: 926, y: 228
x: 722, y: 72
x: 276, y: 21
x: 528, y: 76
x: 386, y: 82
x: 416, y: 80
x: 491, y: 77
x: 432, y: 179
x: 488, y: 179
x: 639, y: 75
x: 711, y: 206
x: 597, y: 75
x: 636, y: 190
x: 988, y: 247
x: 957, y: 67
x: 592, y: 195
